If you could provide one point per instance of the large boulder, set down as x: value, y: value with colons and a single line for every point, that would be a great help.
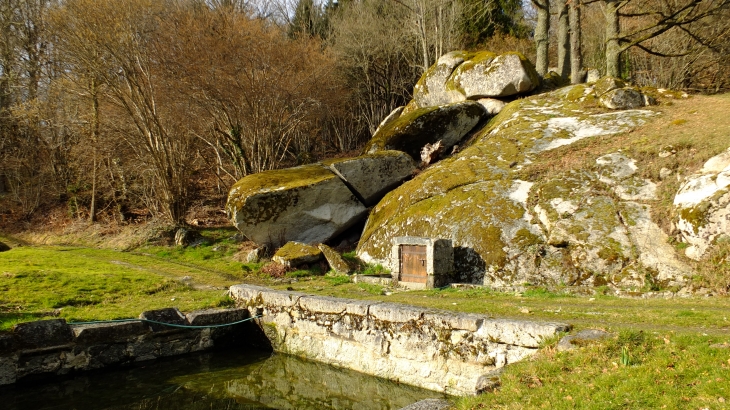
x: 486, y: 75
x: 430, y: 90
x: 372, y: 176
x: 309, y: 204
x: 411, y: 131
x: 702, y: 206
x: 511, y: 227
x: 460, y: 75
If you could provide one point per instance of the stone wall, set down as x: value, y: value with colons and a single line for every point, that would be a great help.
x: 438, y: 350
x: 49, y: 348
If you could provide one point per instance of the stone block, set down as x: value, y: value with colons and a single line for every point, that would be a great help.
x: 295, y: 254
x: 8, y: 370
x: 109, y: 354
x: 167, y: 315
x: 108, y: 332
x: 280, y: 298
x: 395, y: 313
x: 335, y: 260
x: 39, y: 363
x: 455, y: 321
x: 178, y: 347
x: 43, y: 333
x: 144, y: 349
x: 246, y: 293
x: 217, y: 316
x: 323, y: 304
x: 8, y: 343
x: 360, y: 307
x: 519, y: 333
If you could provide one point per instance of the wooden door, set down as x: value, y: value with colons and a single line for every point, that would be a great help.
x: 413, y: 263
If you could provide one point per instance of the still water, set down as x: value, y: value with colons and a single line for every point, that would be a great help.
x: 222, y: 380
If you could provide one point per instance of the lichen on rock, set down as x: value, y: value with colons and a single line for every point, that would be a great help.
x: 411, y: 131
x: 702, y: 206
x: 372, y: 176
x: 573, y: 229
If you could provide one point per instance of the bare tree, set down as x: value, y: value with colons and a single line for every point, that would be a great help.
x: 645, y: 20
x: 125, y: 36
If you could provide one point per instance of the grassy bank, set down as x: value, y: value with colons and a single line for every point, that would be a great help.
x: 668, y: 353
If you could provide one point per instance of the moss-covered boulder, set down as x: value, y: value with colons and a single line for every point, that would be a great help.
x: 335, y: 260
x: 486, y: 75
x: 374, y: 175
x: 431, y: 88
x: 510, y: 227
x: 702, y: 206
x: 606, y: 84
x: 461, y: 75
x: 309, y: 204
x: 295, y: 254
x: 411, y: 131
x: 623, y: 99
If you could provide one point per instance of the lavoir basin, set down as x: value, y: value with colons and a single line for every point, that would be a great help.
x: 219, y: 380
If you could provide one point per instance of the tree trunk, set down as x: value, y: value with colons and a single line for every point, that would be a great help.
x: 576, y: 53
x: 613, y: 48
x: 542, y: 31
x: 564, y: 51
x: 95, y: 141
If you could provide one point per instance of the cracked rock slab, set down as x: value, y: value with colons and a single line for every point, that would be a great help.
x: 307, y: 204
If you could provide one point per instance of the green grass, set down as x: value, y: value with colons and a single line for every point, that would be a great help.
x: 635, y: 370
x: 94, y: 284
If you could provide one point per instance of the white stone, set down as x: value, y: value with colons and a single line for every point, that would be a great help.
x: 504, y: 76
x: 492, y: 105
x: 653, y: 247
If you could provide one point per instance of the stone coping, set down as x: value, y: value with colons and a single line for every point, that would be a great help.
x: 54, y: 347
x: 516, y: 332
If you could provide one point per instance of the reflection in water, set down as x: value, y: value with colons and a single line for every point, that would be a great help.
x: 222, y: 380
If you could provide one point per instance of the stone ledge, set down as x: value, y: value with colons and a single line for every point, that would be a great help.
x: 108, y: 332
x: 43, y: 333
x: 51, y: 348
x: 451, y: 352
x: 217, y: 316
